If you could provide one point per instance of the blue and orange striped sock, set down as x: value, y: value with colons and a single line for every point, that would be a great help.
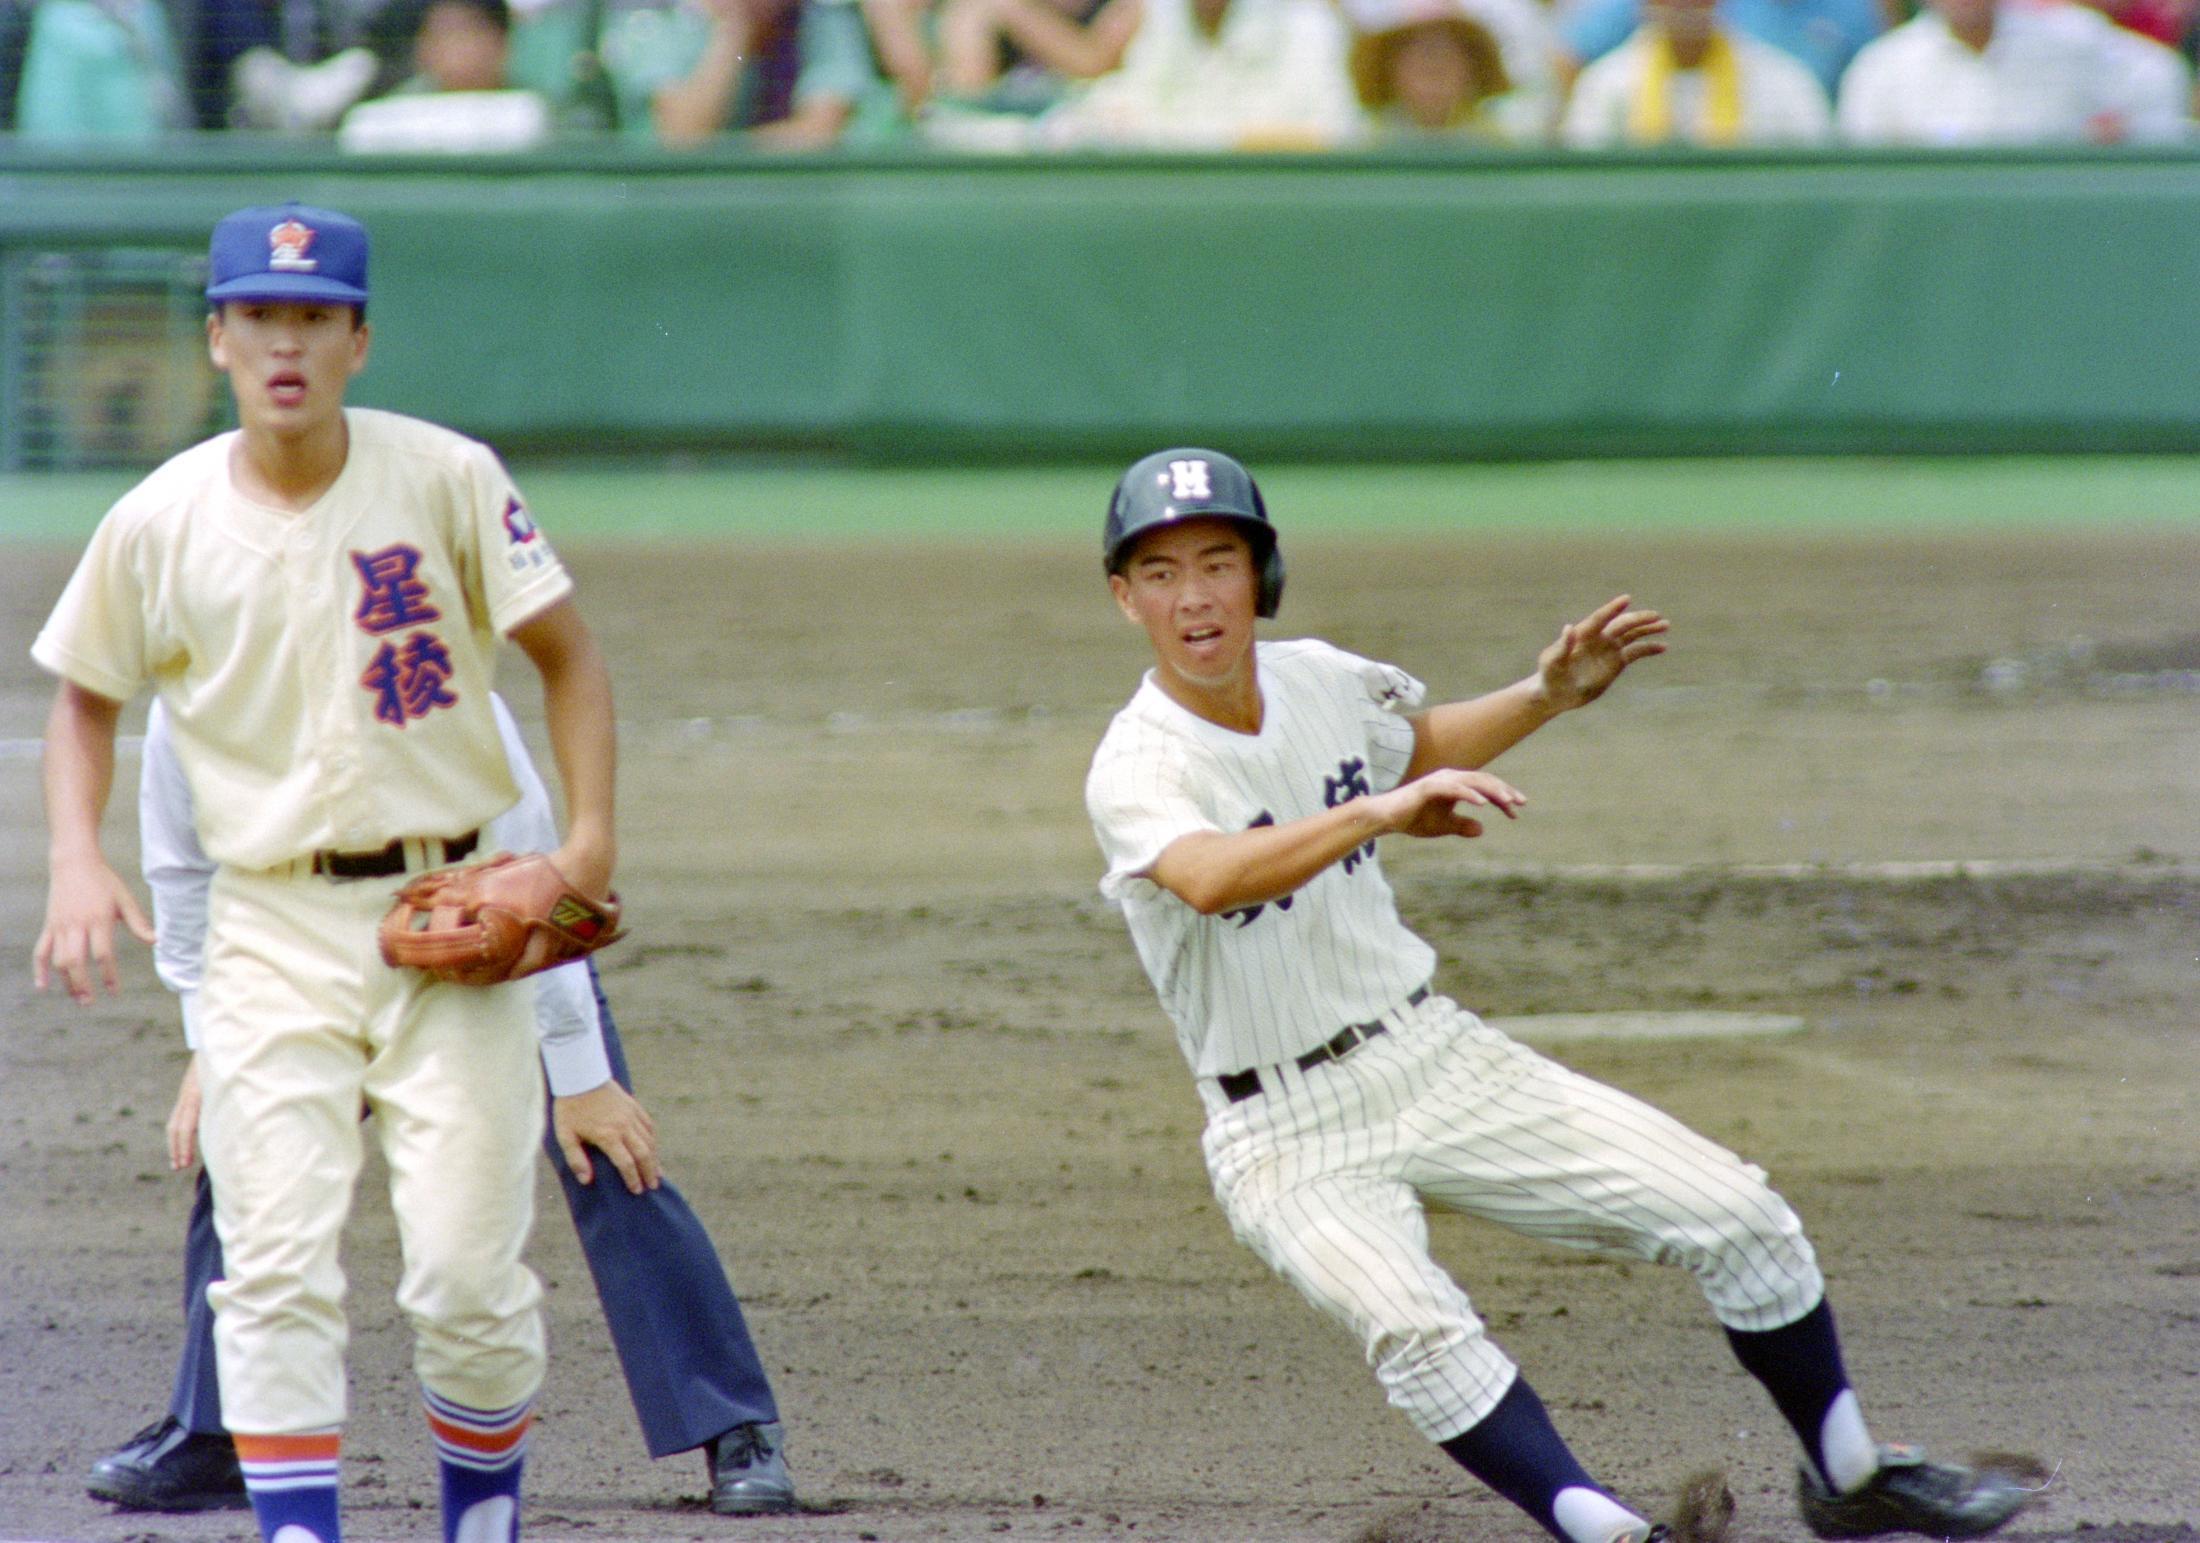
x: 292, y: 1482
x: 480, y: 1452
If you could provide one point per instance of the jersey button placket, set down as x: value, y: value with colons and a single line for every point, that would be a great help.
x: 319, y: 620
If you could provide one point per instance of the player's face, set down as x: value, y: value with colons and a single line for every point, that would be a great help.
x: 287, y: 361
x: 1193, y: 588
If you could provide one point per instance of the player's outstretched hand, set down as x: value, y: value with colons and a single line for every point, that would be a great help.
x: 613, y: 1121
x: 1433, y: 805
x: 183, y: 1120
x: 1589, y: 654
x: 83, y: 903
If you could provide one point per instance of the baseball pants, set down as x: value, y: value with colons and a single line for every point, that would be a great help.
x: 691, y: 1367
x: 1325, y: 1174
x: 302, y: 1025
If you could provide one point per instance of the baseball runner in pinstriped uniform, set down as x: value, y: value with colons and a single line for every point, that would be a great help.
x: 1237, y: 799
x: 318, y: 599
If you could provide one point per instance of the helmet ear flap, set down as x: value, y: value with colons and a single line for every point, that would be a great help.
x: 1269, y: 594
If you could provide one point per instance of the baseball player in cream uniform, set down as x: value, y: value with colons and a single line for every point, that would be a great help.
x: 1237, y: 800
x: 691, y: 1367
x: 317, y: 598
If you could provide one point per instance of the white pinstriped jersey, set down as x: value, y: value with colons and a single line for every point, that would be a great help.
x: 1269, y: 982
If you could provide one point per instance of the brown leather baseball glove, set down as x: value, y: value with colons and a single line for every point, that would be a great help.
x: 482, y: 923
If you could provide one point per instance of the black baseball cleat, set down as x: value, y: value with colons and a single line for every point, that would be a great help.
x: 1909, y: 1494
x: 748, y: 1472
x: 167, y: 1468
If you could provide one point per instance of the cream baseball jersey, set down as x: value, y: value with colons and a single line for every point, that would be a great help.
x: 327, y: 672
x: 1267, y: 982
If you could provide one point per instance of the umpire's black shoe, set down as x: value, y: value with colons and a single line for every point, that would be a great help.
x: 1909, y: 1494
x: 167, y: 1468
x: 748, y: 1472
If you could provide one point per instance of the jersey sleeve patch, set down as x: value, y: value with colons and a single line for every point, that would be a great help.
x: 1384, y: 694
x: 517, y: 570
x: 1387, y: 686
x: 519, y: 526
x: 525, y: 550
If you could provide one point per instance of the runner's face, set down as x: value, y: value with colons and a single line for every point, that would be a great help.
x: 1192, y: 586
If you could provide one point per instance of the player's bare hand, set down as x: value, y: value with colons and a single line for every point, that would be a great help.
x: 1436, y: 805
x: 183, y: 1120
x: 586, y: 866
x: 613, y: 1121
x: 1589, y: 654
x: 77, y: 944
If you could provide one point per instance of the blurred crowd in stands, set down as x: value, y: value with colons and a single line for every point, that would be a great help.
x: 1011, y: 75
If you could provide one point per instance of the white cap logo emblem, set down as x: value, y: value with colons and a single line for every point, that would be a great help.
x: 1188, y: 479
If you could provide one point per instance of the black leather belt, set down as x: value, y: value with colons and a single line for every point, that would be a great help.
x: 1239, y: 1086
x: 385, y: 862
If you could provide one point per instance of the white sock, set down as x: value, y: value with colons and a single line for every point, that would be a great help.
x: 1851, y: 1455
x: 1588, y: 1517
x: 495, y: 1520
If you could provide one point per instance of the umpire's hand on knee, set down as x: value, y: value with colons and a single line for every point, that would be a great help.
x: 183, y: 1120
x: 611, y: 1120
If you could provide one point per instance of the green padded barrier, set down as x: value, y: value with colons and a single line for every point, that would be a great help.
x: 1420, y: 305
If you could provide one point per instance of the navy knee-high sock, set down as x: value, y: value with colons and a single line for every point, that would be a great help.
x: 1517, y: 1452
x: 1800, y: 1366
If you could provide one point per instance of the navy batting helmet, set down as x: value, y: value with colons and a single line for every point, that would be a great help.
x: 1190, y: 484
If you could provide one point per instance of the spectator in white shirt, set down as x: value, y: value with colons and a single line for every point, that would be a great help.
x: 459, y: 98
x: 2151, y: 87
x: 1685, y: 79
x: 1220, y: 75
x: 1985, y: 72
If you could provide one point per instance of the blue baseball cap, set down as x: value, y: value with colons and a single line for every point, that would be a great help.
x: 291, y: 252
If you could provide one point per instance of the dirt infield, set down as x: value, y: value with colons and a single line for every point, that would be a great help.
x: 1935, y: 794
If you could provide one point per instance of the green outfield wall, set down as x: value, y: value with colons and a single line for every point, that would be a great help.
x: 1423, y: 306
